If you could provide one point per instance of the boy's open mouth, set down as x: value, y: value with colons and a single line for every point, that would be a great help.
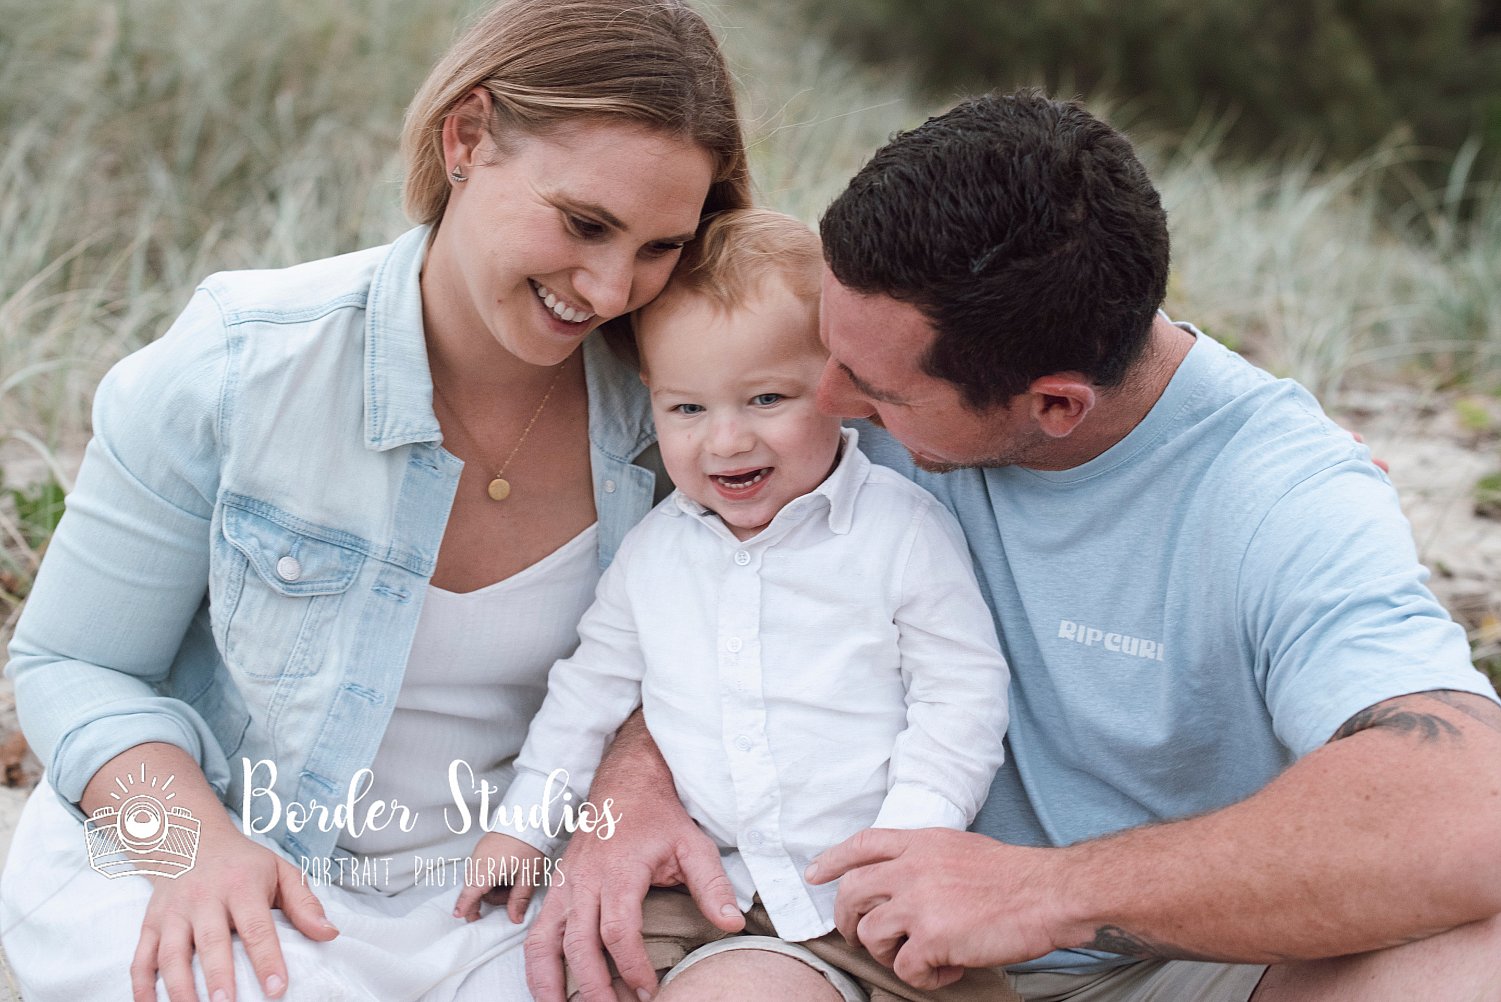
x: 741, y: 481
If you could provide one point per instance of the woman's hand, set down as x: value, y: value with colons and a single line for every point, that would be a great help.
x: 231, y: 888
x: 496, y: 863
x: 598, y: 906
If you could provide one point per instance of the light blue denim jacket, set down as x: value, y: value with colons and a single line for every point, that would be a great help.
x: 246, y: 552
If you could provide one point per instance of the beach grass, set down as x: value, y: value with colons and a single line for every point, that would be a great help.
x: 147, y: 143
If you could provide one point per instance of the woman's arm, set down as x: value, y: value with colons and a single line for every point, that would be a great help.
x: 231, y: 887
x: 127, y: 570
x: 125, y: 577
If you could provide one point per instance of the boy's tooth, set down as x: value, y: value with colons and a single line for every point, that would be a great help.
x: 742, y: 481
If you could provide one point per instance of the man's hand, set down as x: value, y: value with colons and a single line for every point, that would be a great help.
x: 232, y: 888
x: 1318, y: 864
x: 598, y: 907
x: 495, y: 859
x: 932, y: 902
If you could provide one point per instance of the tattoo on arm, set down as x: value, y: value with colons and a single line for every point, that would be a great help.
x: 1114, y: 939
x: 1477, y: 708
x: 1399, y: 715
x: 1404, y: 715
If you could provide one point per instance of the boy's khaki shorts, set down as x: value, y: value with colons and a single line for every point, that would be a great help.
x: 673, y: 928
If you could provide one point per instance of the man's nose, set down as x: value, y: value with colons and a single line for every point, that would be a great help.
x: 838, y: 396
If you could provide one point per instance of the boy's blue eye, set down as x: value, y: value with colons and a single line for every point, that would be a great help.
x: 689, y: 408
x: 765, y: 399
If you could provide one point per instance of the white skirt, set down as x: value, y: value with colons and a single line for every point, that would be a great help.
x: 70, y: 933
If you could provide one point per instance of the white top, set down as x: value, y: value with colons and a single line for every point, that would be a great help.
x: 475, y: 676
x: 837, y: 670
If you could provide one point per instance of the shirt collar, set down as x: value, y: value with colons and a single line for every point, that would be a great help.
x: 399, y: 385
x: 836, y: 494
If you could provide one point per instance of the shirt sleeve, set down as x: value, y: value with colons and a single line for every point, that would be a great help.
x: 1337, y: 609
x: 942, y: 764
x: 127, y: 569
x: 589, y: 695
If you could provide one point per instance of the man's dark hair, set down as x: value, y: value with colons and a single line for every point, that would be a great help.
x: 1023, y: 228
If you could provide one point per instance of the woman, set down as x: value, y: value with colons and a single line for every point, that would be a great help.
x: 345, y: 516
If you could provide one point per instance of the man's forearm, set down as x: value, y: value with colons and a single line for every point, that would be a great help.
x: 1387, y: 834
x: 633, y: 760
x: 599, y: 907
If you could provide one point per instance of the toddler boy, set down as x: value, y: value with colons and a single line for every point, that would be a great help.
x: 803, y: 629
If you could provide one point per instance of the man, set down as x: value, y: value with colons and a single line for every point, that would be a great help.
x: 1243, y: 731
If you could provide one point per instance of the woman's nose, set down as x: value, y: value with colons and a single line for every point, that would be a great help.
x: 607, y: 282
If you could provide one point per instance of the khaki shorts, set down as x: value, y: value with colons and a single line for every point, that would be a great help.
x: 672, y: 928
x: 1146, y: 981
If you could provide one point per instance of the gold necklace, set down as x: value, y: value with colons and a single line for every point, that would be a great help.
x: 500, y: 487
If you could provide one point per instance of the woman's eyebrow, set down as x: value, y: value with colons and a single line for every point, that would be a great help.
x: 611, y: 220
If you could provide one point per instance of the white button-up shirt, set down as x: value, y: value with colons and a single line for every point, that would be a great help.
x: 837, y: 671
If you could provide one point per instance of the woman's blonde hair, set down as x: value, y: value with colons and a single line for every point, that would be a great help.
x: 545, y: 62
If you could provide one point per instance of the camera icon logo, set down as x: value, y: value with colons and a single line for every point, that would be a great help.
x: 142, y: 835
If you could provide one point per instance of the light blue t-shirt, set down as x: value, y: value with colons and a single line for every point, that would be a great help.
x: 1190, y: 611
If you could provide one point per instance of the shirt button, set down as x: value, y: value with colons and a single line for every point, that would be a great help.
x: 734, y: 644
x: 753, y: 837
x: 609, y: 487
x: 743, y: 743
x: 742, y: 558
x: 288, y: 569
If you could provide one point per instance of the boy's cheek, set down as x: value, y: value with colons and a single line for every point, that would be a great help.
x: 679, y: 456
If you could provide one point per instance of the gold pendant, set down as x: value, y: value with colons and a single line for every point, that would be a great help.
x: 500, y: 489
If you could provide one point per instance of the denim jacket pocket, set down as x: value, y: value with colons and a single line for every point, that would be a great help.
x: 279, y: 591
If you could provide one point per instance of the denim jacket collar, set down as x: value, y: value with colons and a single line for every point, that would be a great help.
x: 398, y: 385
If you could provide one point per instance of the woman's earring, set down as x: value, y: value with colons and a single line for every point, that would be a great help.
x: 458, y: 173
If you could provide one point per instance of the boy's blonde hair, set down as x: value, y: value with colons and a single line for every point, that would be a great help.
x: 736, y: 257
x: 740, y: 250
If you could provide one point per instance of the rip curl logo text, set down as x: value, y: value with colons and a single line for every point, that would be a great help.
x: 142, y: 834
x: 1116, y: 643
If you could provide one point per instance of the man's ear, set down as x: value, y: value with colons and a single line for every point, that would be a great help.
x: 466, y: 128
x: 1060, y: 402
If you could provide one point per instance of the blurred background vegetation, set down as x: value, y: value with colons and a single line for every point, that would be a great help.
x: 1328, y: 168
x: 1338, y: 77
